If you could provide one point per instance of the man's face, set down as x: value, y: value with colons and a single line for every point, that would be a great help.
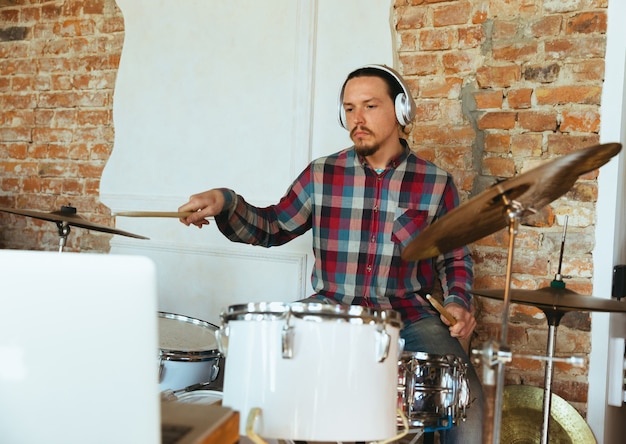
x: 370, y: 114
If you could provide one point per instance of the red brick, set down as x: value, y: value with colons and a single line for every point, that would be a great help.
x: 537, y: 120
x: 488, y: 99
x: 437, y: 39
x: 419, y: 64
x: 454, y: 14
x: 515, y: 52
x: 497, y: 143
x: 526, y: 145
x: 546, y: 26
x: 568, y: 94
x: 580, y: 121
x: 519, y: 98
x: 580, y: 47
x: 449, y: 87
x: 410, y: 18
x: 471, y: 37
x: 498, y: 166
x: 498, y: 76
x: 459, y: 61
x: 586, y: 23
x: 497, y: 120
x: 563, y: 144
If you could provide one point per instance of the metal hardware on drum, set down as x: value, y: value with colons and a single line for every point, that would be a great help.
x: 433, y: 390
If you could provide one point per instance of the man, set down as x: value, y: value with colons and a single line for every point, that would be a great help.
x: 364, y: 205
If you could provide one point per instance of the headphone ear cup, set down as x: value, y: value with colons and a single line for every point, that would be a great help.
x: 403, y: 110
x: 342, y: 116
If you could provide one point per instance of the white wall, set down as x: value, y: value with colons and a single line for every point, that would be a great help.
x: 609, y: 423
x: 229, y: 93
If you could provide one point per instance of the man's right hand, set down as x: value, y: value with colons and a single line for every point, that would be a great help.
x: 203, y: 205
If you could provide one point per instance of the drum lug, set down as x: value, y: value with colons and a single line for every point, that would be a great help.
x: 161, y: 366
x: 383, y: 345
x: 221, y: 334
x: 287, y: 341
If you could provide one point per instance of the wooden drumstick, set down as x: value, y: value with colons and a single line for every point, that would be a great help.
x: 440, y: 308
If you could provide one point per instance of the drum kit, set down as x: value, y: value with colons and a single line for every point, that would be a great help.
x: 293, y: 366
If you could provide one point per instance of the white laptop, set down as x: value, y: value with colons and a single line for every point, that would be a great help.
x: 78, y: 348
x: 79, y: 354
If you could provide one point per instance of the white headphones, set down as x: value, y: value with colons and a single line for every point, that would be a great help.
x: 404, y: 103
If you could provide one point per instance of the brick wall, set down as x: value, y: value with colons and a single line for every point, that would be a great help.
x: 500, y: 86
x: 58, y: 64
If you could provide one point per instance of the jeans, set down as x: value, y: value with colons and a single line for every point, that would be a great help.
x: 430, y: 335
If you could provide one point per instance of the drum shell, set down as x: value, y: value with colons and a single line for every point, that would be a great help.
x: 432, y: 388
x: 332, y: 389
x: 194, y: 360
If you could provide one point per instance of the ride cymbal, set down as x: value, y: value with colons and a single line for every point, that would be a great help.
x: 557, y: 299
x: 486, y: 213
x: 70, y: 217
x: 522, y: 418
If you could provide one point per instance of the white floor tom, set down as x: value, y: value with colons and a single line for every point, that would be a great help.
x: 316, y: 372
x: 433, y: 390
x: 188, y: 352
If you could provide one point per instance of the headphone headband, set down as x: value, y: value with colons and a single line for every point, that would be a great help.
x: 404, y: 104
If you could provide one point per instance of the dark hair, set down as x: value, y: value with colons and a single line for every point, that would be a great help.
x: 393, y: 86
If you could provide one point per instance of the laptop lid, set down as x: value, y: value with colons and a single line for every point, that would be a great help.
x: 78, y: 348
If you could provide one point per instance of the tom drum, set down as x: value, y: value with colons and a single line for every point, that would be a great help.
x: 315, y: 371
x: 188, y: 352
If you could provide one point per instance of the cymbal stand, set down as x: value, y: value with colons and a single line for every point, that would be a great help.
x: 496, y: 355
x: 64, y: 231
x: 554, y: 318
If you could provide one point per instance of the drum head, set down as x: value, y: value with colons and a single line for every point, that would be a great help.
x: 178, y: 333
x: 200, y: 397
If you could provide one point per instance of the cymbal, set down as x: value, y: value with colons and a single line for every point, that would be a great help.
x: 69, y: 216
x: 486, y: 213
x: 522, y: 418
x: 557, y: 299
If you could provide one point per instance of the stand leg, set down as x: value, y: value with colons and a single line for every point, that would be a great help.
x: 553, y: 321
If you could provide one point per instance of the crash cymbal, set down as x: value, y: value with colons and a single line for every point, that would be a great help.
x: 557, y: 299
x: 522, y: 418
x: 68, y: 215
x: 486, y: 213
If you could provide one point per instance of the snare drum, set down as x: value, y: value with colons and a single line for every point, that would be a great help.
x: 188, y: 352
x: 433, y: 390
x: 317, y: 372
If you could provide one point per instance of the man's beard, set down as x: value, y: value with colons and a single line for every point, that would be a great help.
x: 361, y: 147
x: 366, y: 151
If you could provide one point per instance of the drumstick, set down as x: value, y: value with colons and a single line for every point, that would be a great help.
x: 440, y: 308
x: 177, y: 214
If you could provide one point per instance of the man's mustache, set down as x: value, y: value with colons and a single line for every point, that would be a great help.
x: 360, y: 128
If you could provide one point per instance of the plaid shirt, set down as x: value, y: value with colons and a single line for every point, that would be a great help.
x: 361, y: 221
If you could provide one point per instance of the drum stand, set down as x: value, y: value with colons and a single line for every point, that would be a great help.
x: 64, y: 231
x: 494, y: 355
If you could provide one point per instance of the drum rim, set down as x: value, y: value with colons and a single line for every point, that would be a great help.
x: 189, y: 355
x: 280, y: 310
x: 185, y: 318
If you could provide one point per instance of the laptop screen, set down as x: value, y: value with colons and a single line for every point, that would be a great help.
x: 78, y: 348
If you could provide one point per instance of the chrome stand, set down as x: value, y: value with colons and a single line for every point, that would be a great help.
x: 496, y: 355
x: 64, y: 231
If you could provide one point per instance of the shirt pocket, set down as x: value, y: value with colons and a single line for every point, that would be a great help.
x: 408, y: 222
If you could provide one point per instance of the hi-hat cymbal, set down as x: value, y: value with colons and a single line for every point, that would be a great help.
x: 522, y: 418
x: 486, y: 213
x: 69, y: 216
x: 557, y: 299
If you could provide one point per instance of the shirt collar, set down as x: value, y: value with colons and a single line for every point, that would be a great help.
x: 393, y: 163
